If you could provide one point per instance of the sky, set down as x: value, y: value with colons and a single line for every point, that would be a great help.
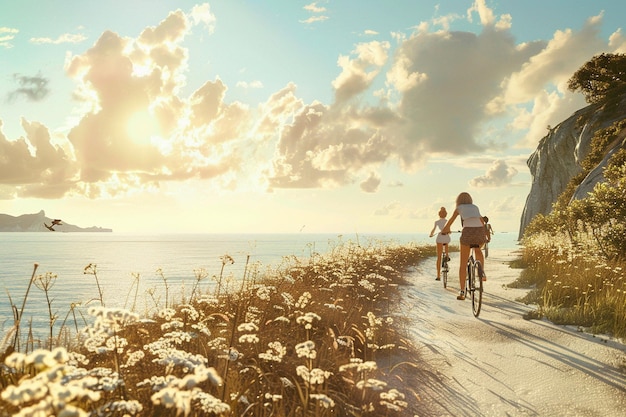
x: 285, y: 116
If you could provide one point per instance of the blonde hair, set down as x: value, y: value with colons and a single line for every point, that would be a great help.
x: 464, y: 198
x: 443, y: 213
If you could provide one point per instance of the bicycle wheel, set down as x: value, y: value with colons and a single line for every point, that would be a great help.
x: 477, y: 288
x: 444, y: 274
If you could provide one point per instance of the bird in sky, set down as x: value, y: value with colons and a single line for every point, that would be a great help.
x: 56, y: 222
x: 49, y: 227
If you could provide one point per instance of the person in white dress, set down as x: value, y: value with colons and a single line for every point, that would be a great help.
x: 441, y: 240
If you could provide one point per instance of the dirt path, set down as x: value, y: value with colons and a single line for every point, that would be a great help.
x: 503, y: 365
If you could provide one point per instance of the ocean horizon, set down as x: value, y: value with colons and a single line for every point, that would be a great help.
x: 126, y: 264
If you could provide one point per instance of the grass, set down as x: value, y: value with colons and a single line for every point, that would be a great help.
x: 574, y: 284
x: 315, y: 337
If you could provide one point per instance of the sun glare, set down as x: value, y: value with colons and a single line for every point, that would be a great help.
x: 142, y: 128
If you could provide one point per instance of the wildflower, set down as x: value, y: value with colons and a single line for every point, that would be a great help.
x: 211, y: 405
x: 306, y: 349
x: 374, y: 384
x: 247, y: 327
x: 275, y: 353
x: 315, y: 376
x: 248, y: 338
x: 264, y: 292
x: 393, y: 399
x: 191, y: 312
x: 287, y: 299
x: 367, y: 366
x: 167, y: 313
x: 304, y: 299
x: 307, y: 320
x: 134, y: 358
x: 227, y: 260
x: 324, y: 400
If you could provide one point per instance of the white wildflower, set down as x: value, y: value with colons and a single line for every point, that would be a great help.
x: 306, y: 350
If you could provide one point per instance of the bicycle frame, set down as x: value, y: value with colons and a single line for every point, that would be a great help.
x: 474, y: 282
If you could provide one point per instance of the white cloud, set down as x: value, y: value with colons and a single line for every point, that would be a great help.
x: 485, y: 14
x: 358, y: 74
x: 314, y: 8
x: 498, y: 175
x: 6, y: 36
x: 434, y: 94
x: 65, y: 38
x: 251, y: 84
x: 201, y: 14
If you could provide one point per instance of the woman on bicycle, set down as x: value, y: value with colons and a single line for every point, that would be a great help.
x: 474, y: 233
x: 441, y: 240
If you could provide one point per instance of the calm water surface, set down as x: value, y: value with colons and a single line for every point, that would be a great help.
x: 120, y: 258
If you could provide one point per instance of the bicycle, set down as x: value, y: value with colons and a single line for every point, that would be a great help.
x: 445, y: 258
x: 474, y: 281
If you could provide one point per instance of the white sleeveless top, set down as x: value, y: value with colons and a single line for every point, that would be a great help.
x: 470, y: 214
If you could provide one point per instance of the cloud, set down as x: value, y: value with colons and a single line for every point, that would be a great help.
x: 388, y: 209
x: 6, y: 36
x: 143, y: 122
x: 443, y: 88
x: 251, y: 84
x: 371, y: 184
x: 314, y: 8
x: 314, y: 19
x: 358, y: 73
x: 201, y: 14
x: 44, y: 172
x: 65, y: 38
x: 542, y: 80
x: 498, y: 175
x: 33, y: 88
x: 139, y: 131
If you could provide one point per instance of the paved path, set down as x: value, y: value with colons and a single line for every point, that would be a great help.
x: 503, y: 365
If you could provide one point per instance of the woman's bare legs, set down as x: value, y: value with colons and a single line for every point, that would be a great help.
x: 463, y: 257
x: 480, y: 256
x: 439, y: 254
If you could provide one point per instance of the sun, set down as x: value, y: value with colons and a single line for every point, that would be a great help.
x: 142, y: 127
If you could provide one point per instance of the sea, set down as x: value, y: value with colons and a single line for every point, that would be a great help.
x: 131, y: 270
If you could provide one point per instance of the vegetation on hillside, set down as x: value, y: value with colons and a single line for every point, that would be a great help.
x: 576, y: 255
x: 320, y: 337
x: 601, y: 79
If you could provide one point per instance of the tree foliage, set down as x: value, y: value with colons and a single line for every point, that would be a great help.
x: 601, y: 217
x: 601, y: 78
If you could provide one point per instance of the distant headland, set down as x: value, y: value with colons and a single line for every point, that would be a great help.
x: 38, y: 222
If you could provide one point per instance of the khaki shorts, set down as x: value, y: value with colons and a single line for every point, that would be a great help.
x: 473, y: 236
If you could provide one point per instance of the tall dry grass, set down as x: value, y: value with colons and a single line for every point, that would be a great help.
x: 315, y: 337
x: 575, y: 284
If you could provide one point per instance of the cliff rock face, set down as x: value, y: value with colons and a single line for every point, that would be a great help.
x: 559, y: 156
x: 37, y: 223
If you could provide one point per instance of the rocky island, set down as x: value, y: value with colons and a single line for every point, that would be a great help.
x: 38, y: 222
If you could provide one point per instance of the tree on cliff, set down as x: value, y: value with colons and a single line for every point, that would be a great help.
x: 601, y: 78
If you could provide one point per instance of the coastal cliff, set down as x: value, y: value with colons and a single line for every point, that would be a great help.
x: 560, y: 154
x: 37, y: 223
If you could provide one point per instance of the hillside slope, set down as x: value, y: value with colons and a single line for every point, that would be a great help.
x: 37, y: 223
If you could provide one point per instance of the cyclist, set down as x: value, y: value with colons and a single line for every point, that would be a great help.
x: 473, y: 233
x: 441, y: 240
x: 489, y: 233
